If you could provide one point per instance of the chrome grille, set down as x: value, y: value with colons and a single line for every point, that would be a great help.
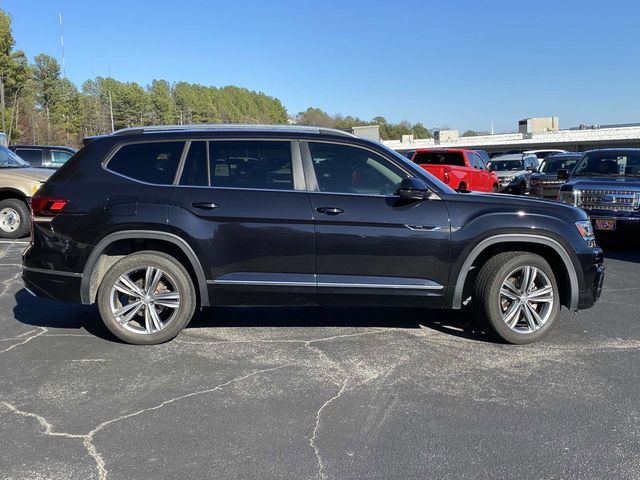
x: 614, y: 200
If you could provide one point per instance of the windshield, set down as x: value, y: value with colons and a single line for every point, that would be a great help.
x: 8, y: 159
x: 552, y: 165
x: 501, y: 165
x: 609, y: 163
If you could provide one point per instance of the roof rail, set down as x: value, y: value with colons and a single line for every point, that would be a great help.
x: 212, y: 127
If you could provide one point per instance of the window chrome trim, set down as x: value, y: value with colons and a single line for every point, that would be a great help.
x: 183, y: 159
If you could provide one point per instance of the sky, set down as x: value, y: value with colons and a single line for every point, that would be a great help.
x: 457, y: 64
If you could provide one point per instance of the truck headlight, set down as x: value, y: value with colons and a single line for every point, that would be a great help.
x: 508, y: 179
x: 35, y: 187
x: 569, y: 196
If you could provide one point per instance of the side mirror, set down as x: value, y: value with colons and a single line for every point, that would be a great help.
x: 535, y: 170
x: 529, y: 168
x: 490, y: 167
x: 563, y: 174
x: 413, y: 189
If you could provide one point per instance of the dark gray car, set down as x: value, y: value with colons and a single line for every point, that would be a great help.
x: 545, y: 182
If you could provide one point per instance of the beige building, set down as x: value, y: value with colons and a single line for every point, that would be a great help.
x: 538, y: 125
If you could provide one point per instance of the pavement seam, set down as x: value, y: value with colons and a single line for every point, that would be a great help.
x: 42, y: 331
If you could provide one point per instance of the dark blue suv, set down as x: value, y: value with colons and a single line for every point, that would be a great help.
x: 152, y: 223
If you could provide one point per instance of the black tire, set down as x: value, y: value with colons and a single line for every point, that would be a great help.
x: 487, y: 298
x: 462, y: 187
x: 177, y: 318
x: 494, y: 189
x: 522, y: 189
x: 15, y: 206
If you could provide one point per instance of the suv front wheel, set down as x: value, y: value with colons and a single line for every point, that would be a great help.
x: 146, y: 298
x: 516, y: 294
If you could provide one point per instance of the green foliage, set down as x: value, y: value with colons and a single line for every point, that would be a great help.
x: 473, y: 133
x: 388, y: 131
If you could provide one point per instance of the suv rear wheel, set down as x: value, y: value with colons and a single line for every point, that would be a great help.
x: 516, y: 294
x: 14, y: 218
x: 146, y: 298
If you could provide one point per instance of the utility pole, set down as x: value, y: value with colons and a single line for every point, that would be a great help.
x: 111, y: 112
x: 2, y: 102
x: 62, y: 45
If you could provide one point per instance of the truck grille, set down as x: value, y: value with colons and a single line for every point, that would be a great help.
x: 614, y: 200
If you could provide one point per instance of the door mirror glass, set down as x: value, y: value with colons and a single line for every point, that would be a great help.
x: 563, y: 174
x: 413, y: 189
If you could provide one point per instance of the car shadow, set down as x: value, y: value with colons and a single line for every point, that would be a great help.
x: 626, y: 252
x: 39, y: 312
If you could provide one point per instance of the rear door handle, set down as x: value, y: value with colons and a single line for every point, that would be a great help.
x: 205, y: 205
x: 330, y: 210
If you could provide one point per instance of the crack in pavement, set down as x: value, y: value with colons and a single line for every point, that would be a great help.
x: 312, y: 440
x: 42, y: 331
x: 87, y: 438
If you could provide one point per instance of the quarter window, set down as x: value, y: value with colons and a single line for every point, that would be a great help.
x: 152, y: 162
x: 346, y: 169
x: 58, y: 157
x: 195, y: 166
x: 251, y: 164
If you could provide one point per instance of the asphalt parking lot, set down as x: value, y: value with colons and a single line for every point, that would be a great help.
x: 319, y: 393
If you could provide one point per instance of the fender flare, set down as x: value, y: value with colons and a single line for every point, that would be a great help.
x: 526, y: 238
x: 85, y: 285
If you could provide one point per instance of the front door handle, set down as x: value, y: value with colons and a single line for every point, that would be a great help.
x: 330, y: 210
x: 205, y: 205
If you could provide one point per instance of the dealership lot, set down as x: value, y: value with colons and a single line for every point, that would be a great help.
x: 319, y: 393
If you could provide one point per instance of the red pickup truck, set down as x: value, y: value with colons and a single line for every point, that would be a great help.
x: 461, y: 169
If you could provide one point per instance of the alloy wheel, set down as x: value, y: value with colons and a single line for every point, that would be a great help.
x: 526, y: 299
x: 144, y: 300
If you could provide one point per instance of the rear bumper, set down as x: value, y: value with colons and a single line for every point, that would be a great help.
x: 590, y: 295
x: 55, y: 284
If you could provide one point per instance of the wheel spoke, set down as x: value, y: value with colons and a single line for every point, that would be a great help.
x: 512, y: 314
x: 157, y: 324
x: 507, y: 293
x: 511, y: 287
x: 533, y: 273
x: 538, y: 320
x: 168, y: 299
x: 525, y: 278
x: 125, y: 314
x: 152, y: 278
x: 529, y: 318
x: 544, y: 294
x: 148, y: 323
x: 126, y: 286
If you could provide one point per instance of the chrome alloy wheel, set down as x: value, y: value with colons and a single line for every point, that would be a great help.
x: 526, y: 299
x: 9, y: 220
x: 144, y: 300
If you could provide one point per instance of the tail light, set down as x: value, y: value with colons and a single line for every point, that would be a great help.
x: 446, y: 177
x: 47, y: 206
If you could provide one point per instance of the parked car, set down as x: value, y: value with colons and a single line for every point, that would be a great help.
x: 189, y: 217
x: 542, y: 154
x: 514, y: 171
x: 44, y: 156
x: 3, y: 139
x: 545, y: 182
x: 606, y: 184
x: 459, y: 168
x: 18, y: 182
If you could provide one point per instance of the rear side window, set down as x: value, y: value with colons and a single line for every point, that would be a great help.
x: 58, y: 157
x: 251, y: 164
x: 148, y: 162
x: 439, y: 158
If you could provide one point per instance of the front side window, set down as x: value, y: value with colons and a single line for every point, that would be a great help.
x: 346, y: 169
x: 152, y: 162
x: 30, y: 155
x: 251, y: 164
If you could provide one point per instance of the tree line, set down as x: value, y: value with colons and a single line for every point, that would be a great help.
x: 38, y: 105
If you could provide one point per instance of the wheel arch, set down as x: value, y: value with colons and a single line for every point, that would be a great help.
x: 8, y: 192
x: 551, y: 250
x: 118, y: 244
